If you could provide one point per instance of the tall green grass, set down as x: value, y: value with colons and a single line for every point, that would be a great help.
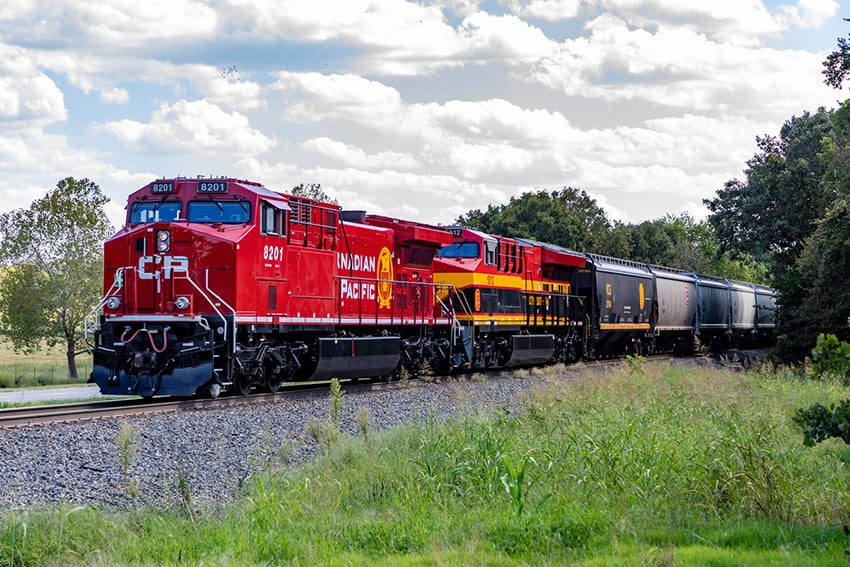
x: 649, y: 465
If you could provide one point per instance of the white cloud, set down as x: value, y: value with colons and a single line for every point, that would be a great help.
x: 680, y: 68
x: 402, y: 30
x: 28, y: 97
x: 227, y: 87
x: 506, y: 38
x: 811, y: 13
x: 33, y: 162
x: 117, y: 24
x: 460, y: 7
x: 115, y: 96
x: 336, y: 96
x: 33, y: 99
x: 550, y: 10
x: 196, y: 126
x: 350, y: 156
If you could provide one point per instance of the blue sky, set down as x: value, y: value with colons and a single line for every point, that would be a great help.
x: 422, y: 110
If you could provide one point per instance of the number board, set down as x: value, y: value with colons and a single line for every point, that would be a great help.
x: 162, y: 187
x: 455, y: 231
x: 212, y: 186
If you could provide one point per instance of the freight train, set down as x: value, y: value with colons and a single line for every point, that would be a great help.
x: 220, y: 285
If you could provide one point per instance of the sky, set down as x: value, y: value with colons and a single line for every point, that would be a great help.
x: 419, y: 110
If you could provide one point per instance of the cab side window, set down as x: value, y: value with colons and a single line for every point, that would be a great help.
x: 490, y: 252
x: 271, y: 219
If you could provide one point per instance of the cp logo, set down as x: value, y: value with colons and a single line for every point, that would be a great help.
x: 169, y: 265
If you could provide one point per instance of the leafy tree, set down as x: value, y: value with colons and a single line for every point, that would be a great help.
x: 771, y: 214
x: 568, y: 218
x: 683, y: 243
x: 54, y: 251
x: 653, y: 243
x: 313, y: 191
x: 837, y: 64
x: 820, y: 423
x: 824, y: 269
x: 824, y: 265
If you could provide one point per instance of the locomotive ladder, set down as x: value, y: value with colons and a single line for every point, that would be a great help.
x: 467, y: 331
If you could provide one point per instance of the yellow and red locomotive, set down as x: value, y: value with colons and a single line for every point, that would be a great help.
x: 219, y: 284
x: 513, y: 298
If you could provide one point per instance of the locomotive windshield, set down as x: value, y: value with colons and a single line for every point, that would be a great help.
x: 163, y: 211
x: 225, y: 212
x: 460, y: 250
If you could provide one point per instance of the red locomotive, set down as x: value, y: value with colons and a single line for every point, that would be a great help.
x: 221, y: 285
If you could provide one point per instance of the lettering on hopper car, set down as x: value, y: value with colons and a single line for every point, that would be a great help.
x: 148, y: 266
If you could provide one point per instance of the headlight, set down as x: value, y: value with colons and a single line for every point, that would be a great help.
x: 181, y: 303
x: 113, y: 303
x: 163, y: 241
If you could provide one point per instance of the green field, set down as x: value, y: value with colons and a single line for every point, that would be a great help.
x: 47, y: 367
x: 647, y: 465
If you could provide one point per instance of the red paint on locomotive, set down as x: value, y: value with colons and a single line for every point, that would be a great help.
x: 228, y: 267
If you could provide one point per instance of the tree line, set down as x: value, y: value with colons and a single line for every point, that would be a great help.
x: 785, y: 224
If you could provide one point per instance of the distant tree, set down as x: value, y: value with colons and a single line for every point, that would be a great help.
x: 770, y: 215
x: 837, y: 64
x: 313, y: 191
x: 683, y: 243
x: 823, y: 268
x: 568, y: 217
x: 652, y: 243
x: 54, y: 254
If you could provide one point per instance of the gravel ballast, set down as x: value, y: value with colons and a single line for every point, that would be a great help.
x: 210, y: 454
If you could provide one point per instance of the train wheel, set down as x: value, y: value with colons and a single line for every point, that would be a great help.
x: 273, y: 382
x: 243, y: 384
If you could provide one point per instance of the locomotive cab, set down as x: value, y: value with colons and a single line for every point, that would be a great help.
x: 171, y: 296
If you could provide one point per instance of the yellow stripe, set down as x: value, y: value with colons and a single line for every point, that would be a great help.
x: 462, y: 280
x: 624, y: 326
x: 467, y: 279
x: 510, y: 319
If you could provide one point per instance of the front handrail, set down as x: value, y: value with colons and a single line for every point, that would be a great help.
x: 93, y: 314
x: 188, y: 278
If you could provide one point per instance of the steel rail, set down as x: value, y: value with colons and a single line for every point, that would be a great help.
x: 26, y: 416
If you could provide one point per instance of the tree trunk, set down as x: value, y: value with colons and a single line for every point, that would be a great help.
x: 72, y: 361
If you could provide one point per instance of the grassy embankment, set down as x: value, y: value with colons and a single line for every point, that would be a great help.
x: 649, y: 465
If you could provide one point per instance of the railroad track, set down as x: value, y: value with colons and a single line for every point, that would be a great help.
x: 67, y: 413
x: 111, y: 409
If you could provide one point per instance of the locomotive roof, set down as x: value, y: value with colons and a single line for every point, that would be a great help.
x: 243, y: 184
x: 554, y: 254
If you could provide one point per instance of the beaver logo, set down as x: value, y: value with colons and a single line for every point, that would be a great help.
x: 385, y: 276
